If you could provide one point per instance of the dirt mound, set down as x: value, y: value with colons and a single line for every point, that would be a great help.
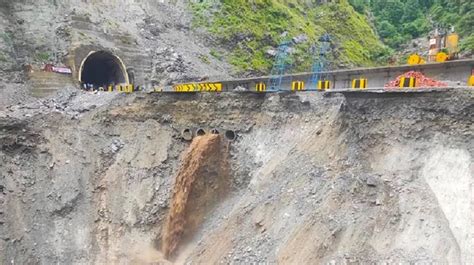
x: 194, y: 189
x: 421, y: 80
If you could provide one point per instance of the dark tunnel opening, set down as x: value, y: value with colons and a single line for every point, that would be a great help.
x: 102, y: 69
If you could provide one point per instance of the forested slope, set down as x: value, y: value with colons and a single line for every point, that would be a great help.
x: 364, y: 33
x: 249, y: 32
x: 398, y: 21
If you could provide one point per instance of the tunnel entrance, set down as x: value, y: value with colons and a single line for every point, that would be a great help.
x: 101, y: 69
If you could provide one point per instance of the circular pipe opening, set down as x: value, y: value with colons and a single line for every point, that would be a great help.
x: 230, y: 135
x: 187, y: 134
x: 200, y: 132
x: 215, y: 131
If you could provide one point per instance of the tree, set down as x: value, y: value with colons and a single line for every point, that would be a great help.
x: 399, y: 20
x: 411, y: 11
x: 386, y: 29
x: 359, y: 5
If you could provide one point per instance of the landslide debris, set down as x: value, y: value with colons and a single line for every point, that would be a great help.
x: 361, y: 177
x: 203, y: 159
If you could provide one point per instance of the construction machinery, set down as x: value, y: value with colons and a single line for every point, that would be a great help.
x: 415, y: 59
x: 443, y: 46
x: 470, y: 81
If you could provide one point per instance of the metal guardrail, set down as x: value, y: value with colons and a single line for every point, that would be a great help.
x: 367, y: 70
x: 256, y: 84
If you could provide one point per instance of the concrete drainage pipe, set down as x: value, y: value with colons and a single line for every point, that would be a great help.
x: 230, y: 135
x: 200, y: 132
x: 187, y: 134
x: 215, y: 131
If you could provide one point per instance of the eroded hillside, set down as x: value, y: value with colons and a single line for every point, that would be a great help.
x: 154, y: 39
x: 88, y: 178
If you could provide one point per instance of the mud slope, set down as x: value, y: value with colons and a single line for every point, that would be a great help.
x: 88, y: 178
x: 204, y: 163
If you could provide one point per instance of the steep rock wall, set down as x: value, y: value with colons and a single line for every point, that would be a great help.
x: 362, y: 178
x: 154, y: 39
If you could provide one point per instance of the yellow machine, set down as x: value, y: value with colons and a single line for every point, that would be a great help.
x: 415, y: 59
x: 441, y: 57
x: 443, y: 47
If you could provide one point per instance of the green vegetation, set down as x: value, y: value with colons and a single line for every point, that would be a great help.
x: 398, y: 21
x: 3, y: 57
x: 214, y: 53
x: 467, y: 44
x: 459, y: 14
x: 249, y: 28
x: 204, y: 59
x: 6, y: 37
x: 43, y: 56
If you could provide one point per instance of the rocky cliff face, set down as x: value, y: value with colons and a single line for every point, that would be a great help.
x: 88, y: 179
x: 154, y: 39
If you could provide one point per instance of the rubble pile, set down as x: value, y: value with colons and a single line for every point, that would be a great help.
x: 421, y: 80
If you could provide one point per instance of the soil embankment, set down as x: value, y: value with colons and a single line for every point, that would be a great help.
x: 356, y: 178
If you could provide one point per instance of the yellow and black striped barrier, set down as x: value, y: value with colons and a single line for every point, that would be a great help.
x: 129, y: 88
x: 360, y: 83
x: 261, y: 87
x: 122, y: 88
x: 470, y: 81
x: 185, y: 88
x: 210, y: 87
x: 324, y: 85
x: 201, y: 87
x: 297, y: 86
x: 407, y: 82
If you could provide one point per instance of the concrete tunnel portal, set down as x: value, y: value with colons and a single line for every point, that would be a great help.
x: 102, y: 68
